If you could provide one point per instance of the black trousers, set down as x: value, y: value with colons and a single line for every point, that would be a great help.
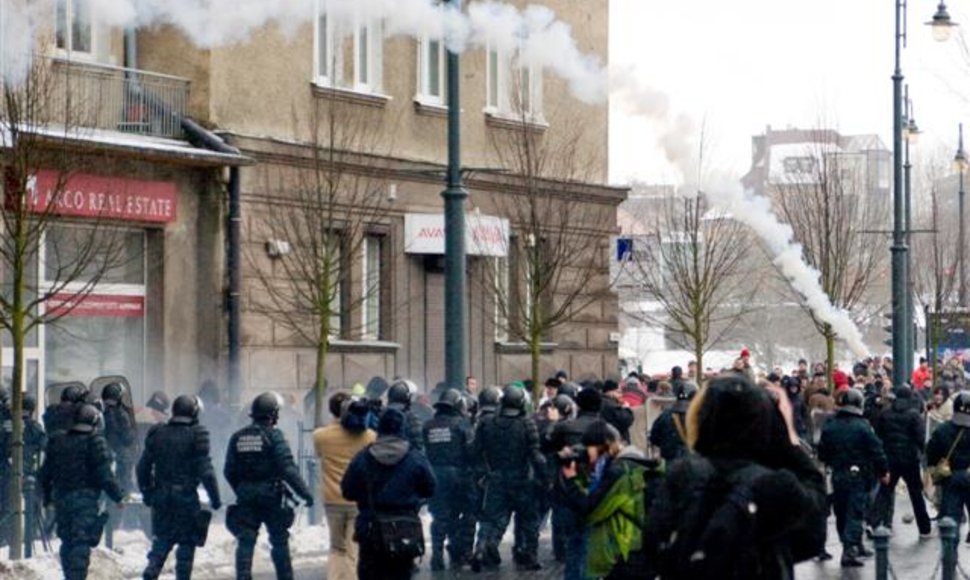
x: 909, y: 472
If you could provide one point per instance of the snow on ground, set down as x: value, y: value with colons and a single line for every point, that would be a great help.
x: 308, y: 545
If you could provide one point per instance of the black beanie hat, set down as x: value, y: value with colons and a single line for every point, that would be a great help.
x: 589, y: 400
x: 600, y: 433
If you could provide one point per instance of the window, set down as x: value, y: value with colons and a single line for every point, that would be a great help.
x: 431, y: 71
x: 799, y: 165
x: 501, y: 273
x: 72, y: 26
x: 371, y: 288
x: 347, y: 56
x: 513, y: 88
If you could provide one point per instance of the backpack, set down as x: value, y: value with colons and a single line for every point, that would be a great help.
x: 716, y: 529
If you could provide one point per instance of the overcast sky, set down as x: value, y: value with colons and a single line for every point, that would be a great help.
x: 739, y: 65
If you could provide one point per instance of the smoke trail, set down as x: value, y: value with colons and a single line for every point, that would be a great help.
x: 676, y: 133
x: 539, y: 37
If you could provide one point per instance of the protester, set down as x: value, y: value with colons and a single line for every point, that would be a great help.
x: 612, y: 504
x: 388, y: 480
x: 336, y: 445
x: 748, y: 503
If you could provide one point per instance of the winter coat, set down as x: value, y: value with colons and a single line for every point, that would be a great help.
x: 387, y: 476
x: 941, y: 441
x: 336, y: 447
x: 413, y: 430
x: 902, y: 431
x: 848, y: 441
x: 615, y: 514
x: 665, y: 435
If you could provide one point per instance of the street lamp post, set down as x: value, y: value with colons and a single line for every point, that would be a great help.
x: 901, y: 360
x: 960, y: 165
x: 454, y: 197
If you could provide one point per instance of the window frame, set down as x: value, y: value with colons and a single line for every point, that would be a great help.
x: 372, y: 292
x: 367, y: 35
x: 424, y: 93
x: 500, y: 67
x: 68, y: 50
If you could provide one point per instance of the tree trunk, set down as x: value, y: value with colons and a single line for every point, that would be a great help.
x: 699, y: 357
x: 320, y: 384
x: 16, y: 495
x: 829, y: 358
x: 535, y: 351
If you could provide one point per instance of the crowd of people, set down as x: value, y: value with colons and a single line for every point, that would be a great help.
x: 689, y: 475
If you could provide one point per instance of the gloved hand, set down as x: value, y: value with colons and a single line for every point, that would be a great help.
x: 308, y: 500
x: 215, y: 504
x: 147, y: 499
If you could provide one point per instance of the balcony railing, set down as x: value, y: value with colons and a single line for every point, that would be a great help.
x: 99, y: 96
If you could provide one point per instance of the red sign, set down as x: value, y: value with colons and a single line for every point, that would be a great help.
x: 96, y: 305
x: 116, y: 198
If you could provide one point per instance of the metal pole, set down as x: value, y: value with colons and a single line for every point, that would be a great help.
x: 911, y: 335
x: 899, y: 249
x: 454, y: 196
x: 880, y: 540
x: 948, y: 539
x: 234, y: 265
x: 961, y: 242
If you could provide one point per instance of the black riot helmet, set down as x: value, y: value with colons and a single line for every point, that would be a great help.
x: 565, y: 406
x: 451, y: 399
x: 266, y: 406
x: 112, y: 392
x: 570, y: 390
x: 852, y: 402
x: 961, y: 409
x: 186, y: 407
x: 86, y: 419
x: 513, y: 399
x: 29, y: 404
x: 489, y: 397
x: 400, y: 392
x: 73, y: 394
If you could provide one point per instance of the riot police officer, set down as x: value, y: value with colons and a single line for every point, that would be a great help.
x: 35, y: 440
x: 951, y: 441
x: 508, y: 445
x: 261, y: 471
x: 175, y: 461
x: 399, y: 396
x: 850, y: 448
x: 120, y: 432
x: 448, y: 445
x: 669, y: 431
x: 488, y: 402
x: 76, y: 469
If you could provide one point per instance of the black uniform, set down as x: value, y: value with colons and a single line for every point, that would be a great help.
x: 448, y: 441
x: 122, y: 438
x: 508, y: 446
x: 35, y: 440
x: 259, y: 467
x: 175, y: 461
x: 850, y: 448
x: 902, y: 430
x: 956, y: 488
x: 77, y: 468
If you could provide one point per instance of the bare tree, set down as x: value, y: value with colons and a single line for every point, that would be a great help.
x: 323, y: 212
x: 695, y: 271
x: 556, y: 266
x: 825, y: 198
x: 41, y: 118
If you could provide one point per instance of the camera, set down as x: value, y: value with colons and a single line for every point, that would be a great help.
x: 573, y: 454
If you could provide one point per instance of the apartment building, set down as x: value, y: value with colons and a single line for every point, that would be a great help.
x: 269, y: 115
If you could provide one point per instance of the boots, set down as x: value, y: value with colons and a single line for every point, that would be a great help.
x: 437, y: 559
x: 850, y: 557
x: 863, y: 551
x: 527, y: 563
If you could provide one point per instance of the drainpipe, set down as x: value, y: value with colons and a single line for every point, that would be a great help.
x: 209, y: 140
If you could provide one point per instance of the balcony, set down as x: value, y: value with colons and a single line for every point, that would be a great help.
x: 98, y: 96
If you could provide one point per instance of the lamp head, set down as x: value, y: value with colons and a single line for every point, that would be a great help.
x: 941, y: 23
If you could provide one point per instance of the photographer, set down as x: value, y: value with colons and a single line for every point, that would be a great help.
x: 612, y: 501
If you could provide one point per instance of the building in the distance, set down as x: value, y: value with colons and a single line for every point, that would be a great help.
x: 275, y: 114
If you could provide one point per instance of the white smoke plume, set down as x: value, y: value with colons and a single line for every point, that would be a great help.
x: 541, y: 39
x: 676, y: 139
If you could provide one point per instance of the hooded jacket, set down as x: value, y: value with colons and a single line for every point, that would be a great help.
x: 901, y: 430
x: 387, y: 476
